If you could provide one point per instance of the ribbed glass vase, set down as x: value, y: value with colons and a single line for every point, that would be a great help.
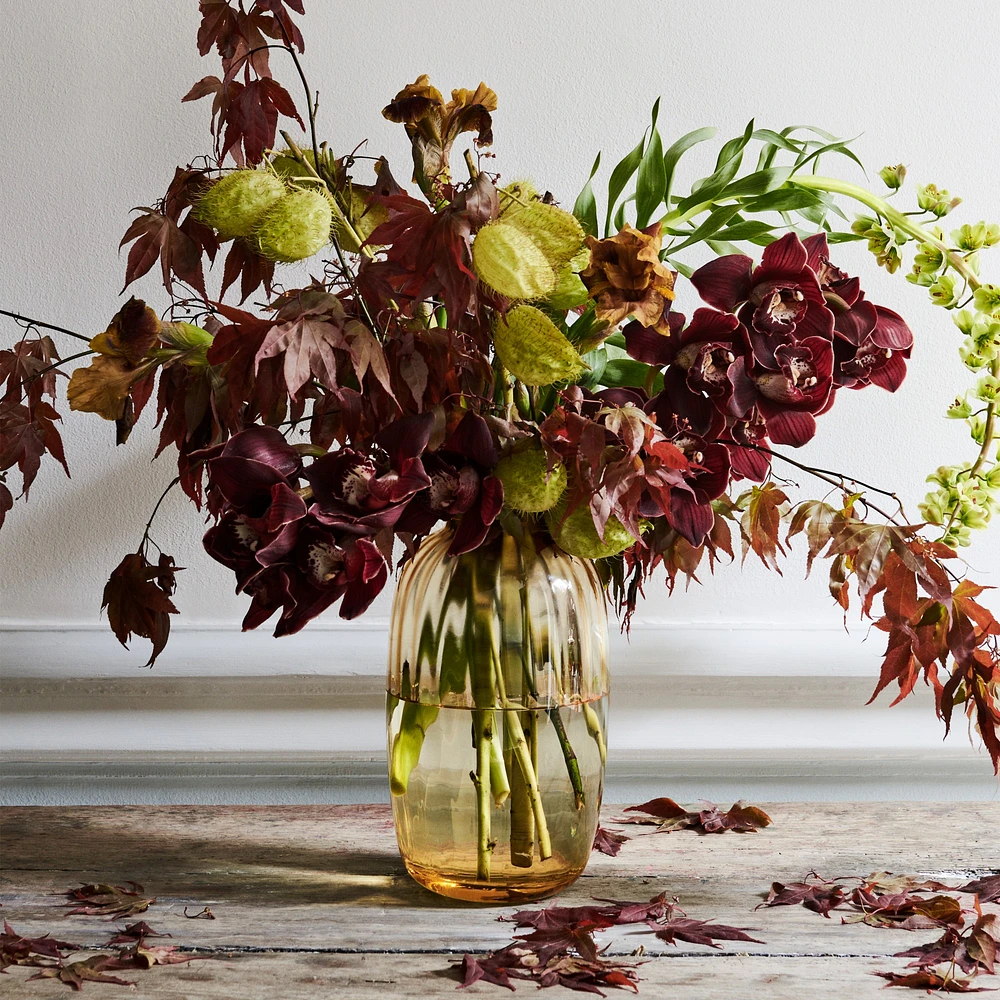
x: 496, y: 712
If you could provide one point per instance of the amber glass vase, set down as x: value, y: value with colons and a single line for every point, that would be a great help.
x: 496, y: 712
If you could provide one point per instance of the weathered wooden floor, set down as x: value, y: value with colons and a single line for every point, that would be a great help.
x: 314, y: 902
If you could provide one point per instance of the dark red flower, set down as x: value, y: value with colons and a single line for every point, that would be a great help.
x: 779, y: 302
x: 871, y: 343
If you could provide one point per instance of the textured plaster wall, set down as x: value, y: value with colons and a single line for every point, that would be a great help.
x: 93, y: 124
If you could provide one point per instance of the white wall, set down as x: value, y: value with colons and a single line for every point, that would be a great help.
x: 90, y: 100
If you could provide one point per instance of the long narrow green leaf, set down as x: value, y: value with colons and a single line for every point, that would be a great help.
x: 757, y: 183
x: 652, y: 180
x: 620, y: 176
x: 715, y: 221
x: 619, y: 220
x: 747, y: 230
x: 784, y: 199
x: 676, y: 151
x: 585, y: 208
x: 727, y: 167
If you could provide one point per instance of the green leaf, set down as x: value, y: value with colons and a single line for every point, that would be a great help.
x: 748, y: 230
x: 727, y: 167
x: 759, y: 183
x: 620, y: 214
x: 685, y: 269
x: 585, y: 208
x: 652, y: 180
x: 785, y: 199
x: 775, y: 139
x: 598, y: 361
x: 676, y: 151
x: 838, y: 146
x: 715, y: 221
x: 623, y: 372
x: 722, y: 249
x: 843, y: 238
x: 620, y: 176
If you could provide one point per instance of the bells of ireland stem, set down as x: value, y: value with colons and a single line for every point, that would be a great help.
x: 234, y: 205
x: 295, y: 227
x: 533, y: 349
x: 528, y: 485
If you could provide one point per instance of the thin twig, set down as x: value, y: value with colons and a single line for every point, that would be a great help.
x: 29, y: 322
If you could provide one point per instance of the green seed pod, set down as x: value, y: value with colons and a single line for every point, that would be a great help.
x: 528, y: 486
x: 296, y: 227
x: 533, y: 349
x: 235, y: 204
x: 570, y: 291
x: 578, y: 536
x: 554, y: 231
x: 508, y: 261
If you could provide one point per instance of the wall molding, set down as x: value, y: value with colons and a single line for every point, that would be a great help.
x: 54, y: 649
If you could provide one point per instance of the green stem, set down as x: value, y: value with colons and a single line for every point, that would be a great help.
x: 955, y: 260
x: 594, y: 728
x: 569, y: 754
x: 892, y: 215
x: 481, y: 779
x: 522, y: 754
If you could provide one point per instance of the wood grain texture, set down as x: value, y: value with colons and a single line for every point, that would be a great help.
x: 314, y: 901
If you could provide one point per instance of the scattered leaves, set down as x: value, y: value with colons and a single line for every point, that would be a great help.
x: 111, y: 901
x: 560, y: 949
x: 18, y: 950
x: 669, y: 816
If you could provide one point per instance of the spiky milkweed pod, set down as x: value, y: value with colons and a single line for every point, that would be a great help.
x: 553, y: 230
x: 528, y: 485
x: 508, y: 261
x: 295, y: 227
x: 578, y: 536
x: 534, y: 350
x: 235, y: 204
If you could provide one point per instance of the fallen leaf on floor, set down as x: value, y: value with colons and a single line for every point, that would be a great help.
x: 609, y: 842
x: 92, y: 970
x: 931, y: 981
x: 132, y: 933
x: 904, y: 909
x: 820, y: 897
x: 987, y: 889
x: 669, y: 816
x: 560, y: 949
x: 973, y: 951
x: 18, y: 950
x: 111, y: 901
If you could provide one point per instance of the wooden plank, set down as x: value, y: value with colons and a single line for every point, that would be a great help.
x: 331, y: 878
x: 361, y: 977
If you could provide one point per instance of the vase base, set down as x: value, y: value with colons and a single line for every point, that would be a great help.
x: 519, y: 889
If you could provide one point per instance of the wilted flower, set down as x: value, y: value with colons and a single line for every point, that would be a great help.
x: 626, y: 278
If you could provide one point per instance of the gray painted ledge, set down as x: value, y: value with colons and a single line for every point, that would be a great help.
x: 137, y: 778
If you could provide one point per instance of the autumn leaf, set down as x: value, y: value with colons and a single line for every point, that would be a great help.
x: 986, y: 888
x: 111, y: 901
x: 306, y: 344
x: 25, y: 435
x: 18, y: 950
x: 138, y: 931
x: 699, y: 932
x: 91, y: 970
x: 156, y: 237
x: 761, y: 523
x: 137, y: 596
x: 609, y: 842
x: 820, y: 897
x: 931, y: 981
x: 669, y: 816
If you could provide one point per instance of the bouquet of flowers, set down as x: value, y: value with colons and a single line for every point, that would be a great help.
x: 473, y: 351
